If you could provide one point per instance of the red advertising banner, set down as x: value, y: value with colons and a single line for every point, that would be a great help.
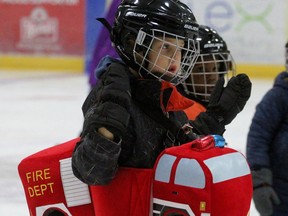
x: 42, y: 27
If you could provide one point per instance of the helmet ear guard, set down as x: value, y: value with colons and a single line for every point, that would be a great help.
x: 226, y: 62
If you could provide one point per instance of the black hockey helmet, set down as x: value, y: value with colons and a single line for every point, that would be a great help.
x: 139, y: 22
x: 212, y: 43
x: 213, y: 49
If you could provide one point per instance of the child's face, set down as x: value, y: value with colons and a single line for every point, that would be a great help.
x: 205, y: 75
x: 165, y: 56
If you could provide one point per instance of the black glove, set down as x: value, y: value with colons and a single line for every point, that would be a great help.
x: 108, y: 105
x: 205, y: 124
x: 264, y: 195
x: 226, y: 103
x: 109, y: 115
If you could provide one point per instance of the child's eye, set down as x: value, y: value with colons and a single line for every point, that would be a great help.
x: 166, y: 46
x: 198, y: 69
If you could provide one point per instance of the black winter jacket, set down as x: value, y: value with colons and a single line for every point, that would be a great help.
x: 96, y: 159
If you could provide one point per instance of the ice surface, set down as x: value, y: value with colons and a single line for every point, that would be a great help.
x: 39, y: 110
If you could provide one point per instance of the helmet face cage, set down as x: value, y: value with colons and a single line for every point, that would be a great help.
x: 206, y: 72
x: 188, y: 49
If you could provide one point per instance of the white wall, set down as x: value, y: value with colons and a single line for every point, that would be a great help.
x: 255, y: 30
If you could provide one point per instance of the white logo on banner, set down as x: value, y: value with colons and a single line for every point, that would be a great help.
x: 39, y: 31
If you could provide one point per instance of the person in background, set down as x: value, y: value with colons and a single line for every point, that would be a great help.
x: 267, y: 148
x: 214, y: 62
x: 103, y: 45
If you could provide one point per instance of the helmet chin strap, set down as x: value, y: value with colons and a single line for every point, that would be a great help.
x: 146, y: 75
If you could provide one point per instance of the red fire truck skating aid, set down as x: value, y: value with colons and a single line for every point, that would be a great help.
x: 200, y: 179
x: 50, y: 185
x: 196, y: 179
